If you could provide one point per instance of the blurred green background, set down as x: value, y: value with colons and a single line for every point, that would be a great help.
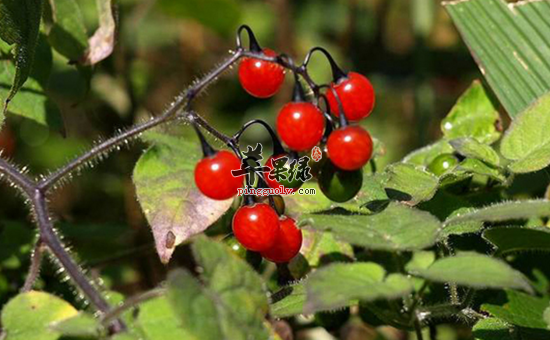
x: 408, y: 48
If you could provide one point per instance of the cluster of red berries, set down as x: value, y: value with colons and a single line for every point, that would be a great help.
x: 301, y: 125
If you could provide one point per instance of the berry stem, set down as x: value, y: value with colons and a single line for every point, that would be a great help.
x: 337, y: 73
x: 277, y: 146
x: 207, y: 149
x: 298, y: 94
x: 342, y: 115
x: 254, y: 45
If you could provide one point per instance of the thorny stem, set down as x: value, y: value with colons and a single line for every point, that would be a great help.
x: 34, y: 269
x: 36, y: 190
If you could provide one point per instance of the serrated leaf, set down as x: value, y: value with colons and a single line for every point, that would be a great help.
x: 289, y: 301
x: 475, y: 270
x: 520, y: 309
x: 232, y: 303
x: 514, y: 239
x: 469, y: 147
x: 363, y: 281
x: 505, y: 211
x: 157, y: 321
x: 493, y: 329
x: 80, y: 325
x: 508, y: 41
x: 527, y: 142
x: 166, y: 191
x: 473, y: 115
x: 424, y: 156
x: 67, y: 34
x: 413, y: 181
x: 29, y: 315
x: 398, y: 227
x: 19, y: 25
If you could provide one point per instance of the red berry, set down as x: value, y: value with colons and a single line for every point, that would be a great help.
x: 349, y: 148
x: 356, y: 94
x: 261, y: 78
x: 287, y: 243
x: 256, y: 226
x: 213, y: 175
x: 295, y: 184
x: 300, y: 125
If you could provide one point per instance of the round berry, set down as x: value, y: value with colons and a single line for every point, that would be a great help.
x: 261, y: 78
x: 213, y: 175
x: 287, y: 243
x: 256, y: 226
x: 300, y: 125
x: 339, y: 185
x: 349, y: 148
x: 443, y: 163
x: 272, y: 183
x: 356, y: 95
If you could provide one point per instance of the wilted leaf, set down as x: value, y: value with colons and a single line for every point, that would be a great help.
x: 508, y: 41
x: 527, y: 142
x: 29, y: 315
x: 102, y: 43
x: 165, y: 188
x: 473, y: 115
x: 334, y: 286
x: 19, y: 25
x: 398, y: 227
x: 512, y: 239
x: 520, y: 309
x: 474, y: 270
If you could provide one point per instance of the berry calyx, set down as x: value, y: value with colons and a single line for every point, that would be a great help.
x: 300, y: 125
x: 356, y: 95
x: 349, y: 148
x: 339, y: 185
x: 287, y: 243
x: 294, y: 184
x: 260, y: 78
x: 213, y: 175
x: 256, y: 226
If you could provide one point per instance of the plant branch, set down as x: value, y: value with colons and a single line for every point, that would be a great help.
x: 36, y: 262
x: 16, y: 177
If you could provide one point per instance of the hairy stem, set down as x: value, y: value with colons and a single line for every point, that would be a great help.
x: 36, y: 262
x: 16, y: 177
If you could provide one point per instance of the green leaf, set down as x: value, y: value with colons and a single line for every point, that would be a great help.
x: 420, y: 260
x: 334, y: 286
x: 174, y: 207
x: 505, y: 211
x: 398, y: 227
x: 520, y: 309
x: 514, y: 239
x: 19, y: 25
x: 28, y: 316
x: 32, y: 101
x: 493, y: 329
x: 473, y: 115
x: 289, y: 301
x: 158, y: 321
x: 222, y: 16
x: 474, y: 270
x: 412, y: 183
x: 299, y: 204
x: 424, y: 156
x: 475, y: 166
x: 67, y: 34
x: 527, y: 142
x: 80, y: 325
x: 469, y: 147
x: 232, y: 304
x: 508, y: 41
x: 318, y: 244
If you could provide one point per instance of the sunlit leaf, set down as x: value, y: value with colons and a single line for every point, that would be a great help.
x: 520, y: 309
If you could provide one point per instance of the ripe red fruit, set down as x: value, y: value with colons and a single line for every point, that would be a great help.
x: 256, y: 226
x: 300, y: 125
x: 287, y: 243
x: 356, y: 94
x: 213, y: 175
x: 349, y: 148
x: 261, y: 78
